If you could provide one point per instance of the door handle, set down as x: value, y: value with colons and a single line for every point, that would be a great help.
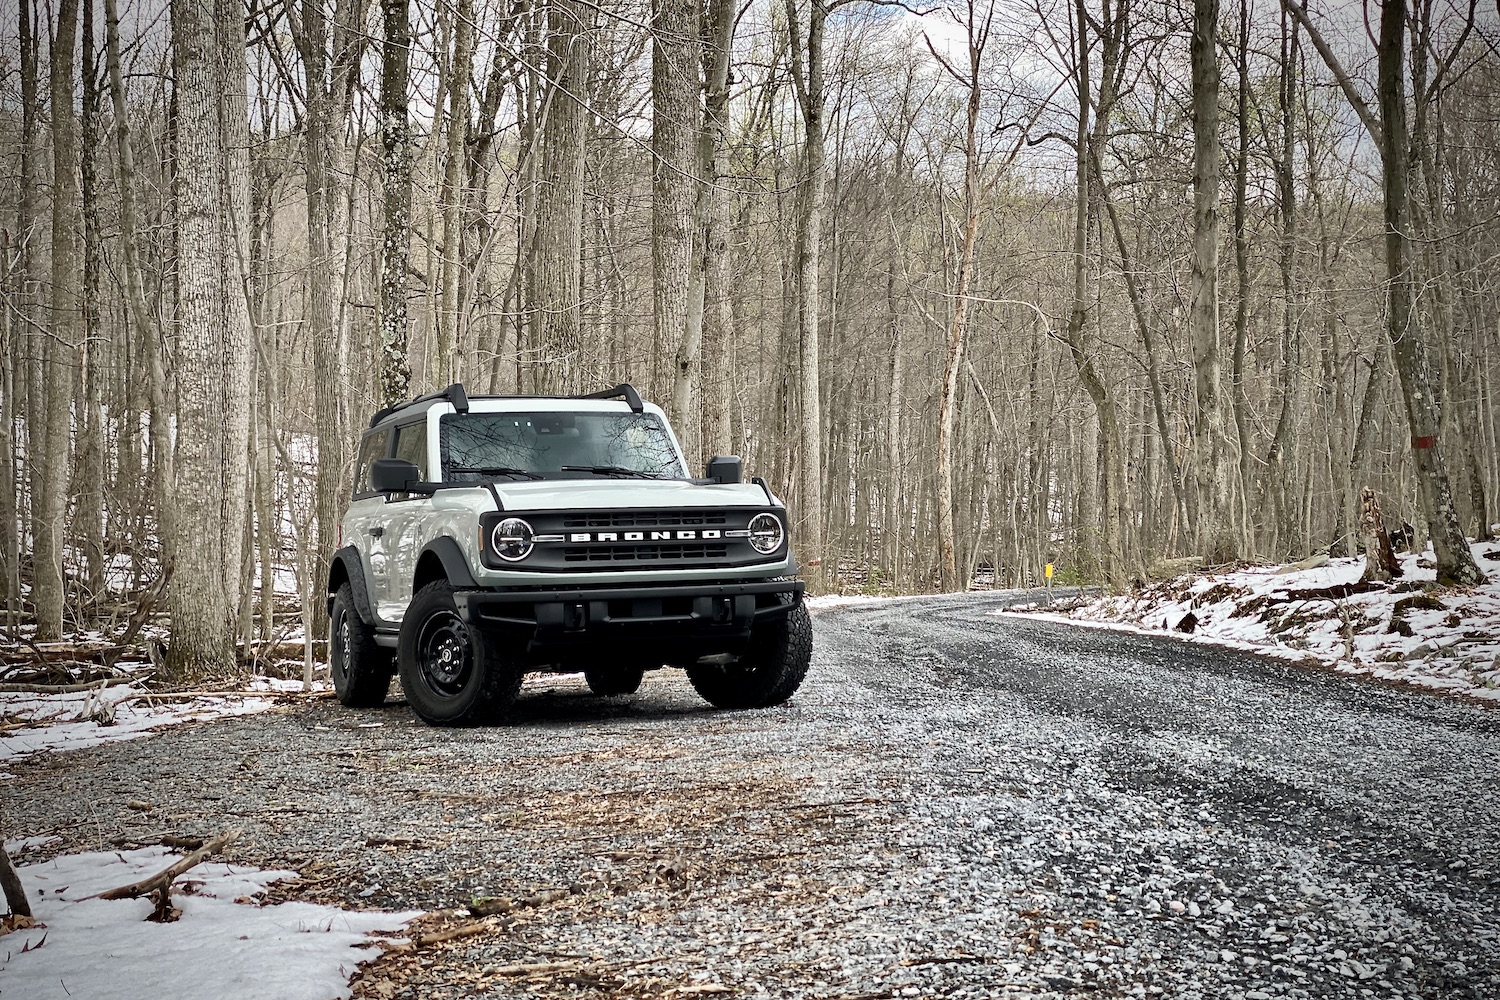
x: 377, y: 531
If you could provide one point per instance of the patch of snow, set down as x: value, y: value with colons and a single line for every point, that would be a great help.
x: 225, y: 945
x: 1454, y: 647
x: 54, y: 722
x: 24, y: 844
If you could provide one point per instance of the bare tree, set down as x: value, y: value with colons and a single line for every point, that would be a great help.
x: 807, y: 77
x: 50, y: 463
x: 977, y: 31
x: 1455, y: 561
x: 395, y: 261
x: 1216, y: 537
x: 202, y: 612
x: 555, y: 264
x: 676, y: 67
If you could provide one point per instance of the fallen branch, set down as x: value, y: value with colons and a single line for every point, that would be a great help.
x: 492, y: 906
x: 161, y: 882
x: 65, y: 688
x: 452, y: 934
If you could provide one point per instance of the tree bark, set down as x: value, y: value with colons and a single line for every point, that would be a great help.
x: 718, y: 281
x: 451, y: 197
x: 202, y: 613
x: 50, y: 466
x: 676, y: 127
x: 555, y: 269
x: 1216, y: 537
x: 1409, y: 350
x: 806, y: 253
x: 238, y: 334
x: 395, y: 260
x: 1088, y: 141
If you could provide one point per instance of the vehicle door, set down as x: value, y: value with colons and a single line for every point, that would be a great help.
x: 405, y: 516
x: 364, y: 522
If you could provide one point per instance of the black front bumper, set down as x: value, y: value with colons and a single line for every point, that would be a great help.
x: 680, y: 620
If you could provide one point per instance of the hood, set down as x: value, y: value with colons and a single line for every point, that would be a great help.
x: 617, y: 494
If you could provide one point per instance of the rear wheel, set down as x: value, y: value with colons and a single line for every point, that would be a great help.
x: 615, y: 680
x: 770, y: 670
x: 361, y: 670
x: 451, y: 676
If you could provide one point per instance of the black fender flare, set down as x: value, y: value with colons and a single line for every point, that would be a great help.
x: 346, y: 566
x: 455, y: 566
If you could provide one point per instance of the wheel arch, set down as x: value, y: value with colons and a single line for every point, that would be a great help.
x: 343, y: 568
x: 442, y: 559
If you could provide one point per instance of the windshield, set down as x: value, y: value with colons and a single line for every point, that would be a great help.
x: 575, y: 445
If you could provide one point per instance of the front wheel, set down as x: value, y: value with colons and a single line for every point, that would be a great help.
x: 450, y: 675
x: 361, y: 671
x: 768, y: 673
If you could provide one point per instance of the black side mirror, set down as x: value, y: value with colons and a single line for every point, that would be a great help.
x: 725, y: 469
x: 393, y: 475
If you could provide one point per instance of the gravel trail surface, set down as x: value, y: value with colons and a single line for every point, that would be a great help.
x: 957, y: 804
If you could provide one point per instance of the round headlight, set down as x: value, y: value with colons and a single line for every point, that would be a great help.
x: 511, y: 539
x: 766, y: 533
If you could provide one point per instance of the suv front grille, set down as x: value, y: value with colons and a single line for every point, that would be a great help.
x: 654, y: 554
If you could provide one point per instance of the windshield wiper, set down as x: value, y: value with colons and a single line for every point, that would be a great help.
x: 611, y: 470
x: 495, y: 470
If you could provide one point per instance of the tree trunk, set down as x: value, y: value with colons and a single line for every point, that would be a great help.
x: 806, y: 254
x: 451, y: 197
x: 676, y: 62
x: 88, y: 480
x: 556, y: 277
x: 202, y: 614
x: 395, y: 260
x: 49, y: 467
x: 1088, y: 141
x: 718, y: 281
x: 1217, y: 541
x: 238, y: 334
x: 1455, y: 561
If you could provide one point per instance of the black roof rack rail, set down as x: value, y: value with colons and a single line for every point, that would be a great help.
x: 623, y: 391
x: 454, y: 394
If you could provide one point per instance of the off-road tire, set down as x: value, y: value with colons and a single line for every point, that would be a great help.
x: 475, y: 683
x: 610, y: 681
x: 361, y: 671
x: 768, y: 672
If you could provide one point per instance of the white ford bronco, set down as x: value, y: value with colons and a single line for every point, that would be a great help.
x: 492, y: 536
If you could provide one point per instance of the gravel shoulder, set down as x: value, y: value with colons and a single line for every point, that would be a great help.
x: 956, y: 804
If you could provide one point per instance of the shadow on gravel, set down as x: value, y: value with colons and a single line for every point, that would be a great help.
x: 572, y: 704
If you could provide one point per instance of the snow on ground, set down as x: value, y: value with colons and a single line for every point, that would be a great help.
x: 225, y: 945
x: 1407, y: 631
x: 36, y: 723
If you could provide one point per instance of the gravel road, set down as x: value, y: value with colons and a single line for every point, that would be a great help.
x: 957, y: 804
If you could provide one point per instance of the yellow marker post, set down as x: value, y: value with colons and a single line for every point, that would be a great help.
x: 1049, y: 575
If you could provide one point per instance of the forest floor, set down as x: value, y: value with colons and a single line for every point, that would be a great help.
x: 1407, y: 631
x: 956, y: 804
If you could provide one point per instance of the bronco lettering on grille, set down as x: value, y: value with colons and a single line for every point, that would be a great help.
x: 587, y: 537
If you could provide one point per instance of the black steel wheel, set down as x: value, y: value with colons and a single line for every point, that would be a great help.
x: 361, y: 671
x: 450, y: 674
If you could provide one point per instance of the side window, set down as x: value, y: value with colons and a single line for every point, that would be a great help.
x: 372, y: 447
x: 411, y: 445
